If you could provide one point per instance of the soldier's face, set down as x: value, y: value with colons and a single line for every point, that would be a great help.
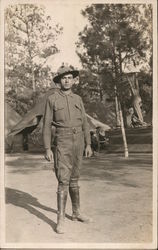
x: 67, y: 81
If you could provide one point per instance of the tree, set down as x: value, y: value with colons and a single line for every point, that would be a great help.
x: 87, y: 87
x: 30, y: 37
x: 118, y: 36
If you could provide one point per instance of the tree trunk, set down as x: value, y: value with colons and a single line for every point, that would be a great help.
x: 118, y: 123
x: 33, y: 81
x: 123, y: 132
x: 120, y: 110
x: 120, y: 62
x: 114, y: 74
x: 136, y: 99
x: 136, y: 102
x: 33, y: 86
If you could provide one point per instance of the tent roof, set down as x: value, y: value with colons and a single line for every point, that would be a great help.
x: 11, y: 118
x: 93, y: 123
x: 32, y: 118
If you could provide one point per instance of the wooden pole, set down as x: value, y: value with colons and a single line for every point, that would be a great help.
x: 118, y: 123
x: 123, y: 132
x: 122, y: 124
x: 119, y: 119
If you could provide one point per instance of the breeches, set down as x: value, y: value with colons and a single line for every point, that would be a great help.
x: 68, y: 153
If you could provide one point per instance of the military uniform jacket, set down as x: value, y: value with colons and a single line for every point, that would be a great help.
x: 64, y: 111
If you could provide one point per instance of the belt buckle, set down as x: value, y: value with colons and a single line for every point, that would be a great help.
x: 74, y: 130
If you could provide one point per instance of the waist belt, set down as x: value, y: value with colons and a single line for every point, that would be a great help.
x: 73, y: 130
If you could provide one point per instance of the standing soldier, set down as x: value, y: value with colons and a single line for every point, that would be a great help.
x: 65, y: 111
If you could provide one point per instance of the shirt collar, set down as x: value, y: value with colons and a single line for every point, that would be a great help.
x: 62, y: 93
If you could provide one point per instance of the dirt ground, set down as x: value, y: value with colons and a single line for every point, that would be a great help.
x: 116, y: 192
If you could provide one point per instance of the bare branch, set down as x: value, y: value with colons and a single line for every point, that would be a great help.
x: 18, y: 28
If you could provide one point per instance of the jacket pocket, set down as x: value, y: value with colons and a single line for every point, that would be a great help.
x: 59, y: 114
x: 78, y: 111
x: 78, y: 106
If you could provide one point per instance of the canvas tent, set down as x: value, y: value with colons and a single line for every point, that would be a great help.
x: 94, y: 123
x: 31, y: 124
x: 11, y: 118
x: 30, y: 121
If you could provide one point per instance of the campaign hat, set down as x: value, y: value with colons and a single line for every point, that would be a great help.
x: 63, y: 70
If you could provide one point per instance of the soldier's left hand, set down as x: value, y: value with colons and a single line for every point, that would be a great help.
x: 88, y: 151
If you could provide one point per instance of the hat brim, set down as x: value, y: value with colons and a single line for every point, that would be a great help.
x: 57, y: 78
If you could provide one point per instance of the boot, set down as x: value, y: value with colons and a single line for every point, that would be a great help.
x: 75, y: 199
x: 61, y: 203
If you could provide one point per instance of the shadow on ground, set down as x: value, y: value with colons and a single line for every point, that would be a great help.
x: 24, y: 200
x: 27, y: 201
x: 115, y: 170
x: 28, y: 165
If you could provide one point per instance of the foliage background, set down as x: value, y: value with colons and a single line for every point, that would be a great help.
x: 117, y: 39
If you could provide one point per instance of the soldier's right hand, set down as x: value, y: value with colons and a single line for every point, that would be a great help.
x: 49, y: 155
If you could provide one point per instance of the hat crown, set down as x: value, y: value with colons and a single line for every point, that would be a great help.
x: 64, y: 69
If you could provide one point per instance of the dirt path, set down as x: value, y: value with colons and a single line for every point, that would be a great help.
x: 116, y: 192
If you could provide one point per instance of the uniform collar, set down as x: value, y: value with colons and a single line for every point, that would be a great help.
x: 62, y: 93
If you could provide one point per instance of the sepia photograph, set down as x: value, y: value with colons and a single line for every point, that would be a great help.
x: 79, y: 122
